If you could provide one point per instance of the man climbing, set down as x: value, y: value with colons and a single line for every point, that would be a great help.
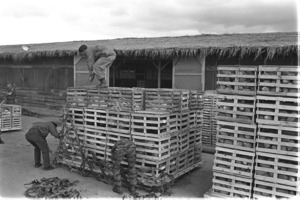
x: 98, y: 58
x: 122, y: 148
x: 36, y: 136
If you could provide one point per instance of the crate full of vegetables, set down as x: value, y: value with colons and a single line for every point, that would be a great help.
x: 278, y: 111
x: 236, y: 108
x: 237, y: 79
x: 278, y: 81
x: 278, y: 139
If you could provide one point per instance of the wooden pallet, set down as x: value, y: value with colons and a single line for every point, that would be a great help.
x: 183, y: 140
x: 241, y: 80
x: 278, y: 111
x: 278, y: 81
x: 113, y: 98
x: 76, y: 115
x: 76, y: 97
x: 170, y: 100
x: 195, y: 118
x: 196, y: 100
x: 277, y: 168
x: 278, y: 140
x: 236, y: 108
x: 183, y: 120
x: 195, y: 137
x: 268, y: 189
x: 234, y: 162
x: 153, y: 124
x: 236, y: 135
x: 152, y: 148
x: 225, y: 185
x: 108, y: 120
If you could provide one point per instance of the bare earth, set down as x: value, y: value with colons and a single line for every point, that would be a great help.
x: 17, y: 168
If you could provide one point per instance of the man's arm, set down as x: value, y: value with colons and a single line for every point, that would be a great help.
x: 53, y: 130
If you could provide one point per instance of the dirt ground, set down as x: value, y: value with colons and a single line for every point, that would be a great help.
x: 17, y: 168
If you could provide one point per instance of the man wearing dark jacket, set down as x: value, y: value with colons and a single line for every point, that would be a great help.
x: 98, y: 58
x: 36, y: 136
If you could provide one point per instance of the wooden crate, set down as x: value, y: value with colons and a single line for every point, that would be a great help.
x: 170, y: 100
x: 152, y: 148
x: 236, y: 108
x: 113, y: 121
x: 5, y: 123
x: 16, y: 122
x: 76, y: 97
x: 225, y: 185
x: 183, y: 140
x: 278, y: 140
x: 234, y: 162
x: 196, y: 101
x: 115, y: 98
x: 76, y: 116
x: 237, y: 79
x: 268, y: 189
x: 277, y: 168
x: 183, y: 118
x: 98, y: 98
x: 278, y: 81
x: 195, y: 118
x: 209, y: 132
x: 236, y: 135
x: 195, y: 137
x: 153, y: 124
x: 278, y: 111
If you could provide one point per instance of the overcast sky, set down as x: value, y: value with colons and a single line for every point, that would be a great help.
x: 39, y: 21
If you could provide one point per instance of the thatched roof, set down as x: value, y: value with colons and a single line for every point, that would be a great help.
x: 163, y: 47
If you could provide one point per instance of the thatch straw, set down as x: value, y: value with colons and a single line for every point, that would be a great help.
x: 226, y: 45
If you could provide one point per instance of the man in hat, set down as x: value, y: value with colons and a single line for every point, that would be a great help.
x: 10, y: 93
x: 36, y: 136
x: 122, y: 148
x: 98, y: 58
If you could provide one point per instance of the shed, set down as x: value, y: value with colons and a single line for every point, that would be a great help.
x: 42, y: 72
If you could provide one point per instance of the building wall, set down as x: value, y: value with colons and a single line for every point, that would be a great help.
x: 39, y: 82
x: 189, y: 73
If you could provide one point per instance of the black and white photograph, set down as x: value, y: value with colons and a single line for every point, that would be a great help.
x: 149, y: 99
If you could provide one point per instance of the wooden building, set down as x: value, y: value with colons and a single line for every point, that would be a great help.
x: 42, y: 72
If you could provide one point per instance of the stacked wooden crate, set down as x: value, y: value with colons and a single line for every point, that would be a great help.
x: 166, y: 132
x: 277, y: 160
x: 236, y: 132
x: 209, y: 128
x: 10, y: 117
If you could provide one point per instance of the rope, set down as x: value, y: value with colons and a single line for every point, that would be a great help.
x: 51, y: 188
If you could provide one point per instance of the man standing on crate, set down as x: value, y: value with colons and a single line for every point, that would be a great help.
x: 122, y: 148
x: 36, y: 136
x: 99, y: 58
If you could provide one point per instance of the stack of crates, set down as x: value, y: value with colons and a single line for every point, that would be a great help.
x: 209, y: 128
x: 277, y: 160
x: 10, y: 117
x: 165, y: 130
x: 236, y: 132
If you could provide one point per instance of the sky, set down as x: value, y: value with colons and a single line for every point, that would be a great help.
x: 43, y: 21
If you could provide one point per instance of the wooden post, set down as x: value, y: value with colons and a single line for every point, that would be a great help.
x: 159, y: 74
